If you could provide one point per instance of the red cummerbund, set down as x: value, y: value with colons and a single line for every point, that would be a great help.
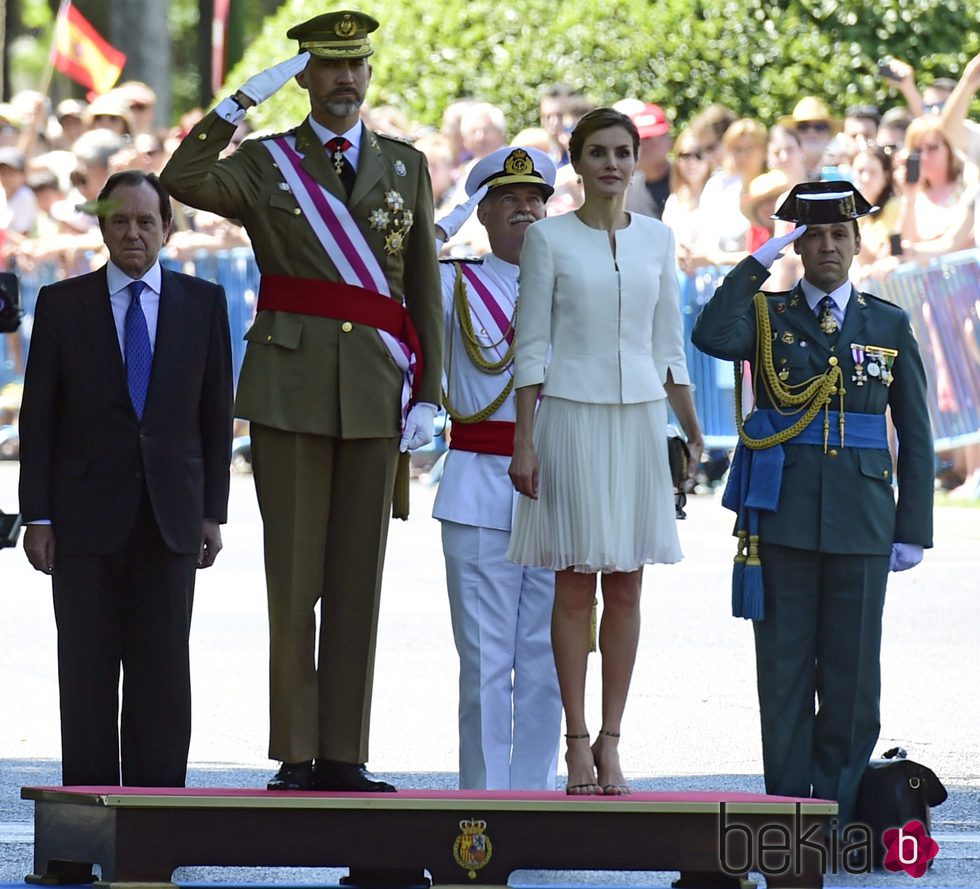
x: 342, y: 302
x: 488, y: 437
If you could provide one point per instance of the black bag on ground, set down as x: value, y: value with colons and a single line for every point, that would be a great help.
x: 895, y: 790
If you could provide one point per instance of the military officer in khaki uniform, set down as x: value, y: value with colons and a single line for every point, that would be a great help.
x: 814, y: 465
x: 342, y: 370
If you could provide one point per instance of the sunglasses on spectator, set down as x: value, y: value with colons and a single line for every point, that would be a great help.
x: 816, y: 126
x: 697, y: 155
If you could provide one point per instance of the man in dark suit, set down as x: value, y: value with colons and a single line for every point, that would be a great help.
x: 815, y: 499
x: 125, y: 434
x: 342, y: 371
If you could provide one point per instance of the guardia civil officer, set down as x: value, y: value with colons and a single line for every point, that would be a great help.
x: 814, y: 465
x: 509, y: 704
x: 342, y: 370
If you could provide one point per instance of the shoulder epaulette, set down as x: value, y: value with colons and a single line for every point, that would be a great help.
x: 472, y: 260
x: 403, y: 140
x: 265, y: 136
x: 881, y: 299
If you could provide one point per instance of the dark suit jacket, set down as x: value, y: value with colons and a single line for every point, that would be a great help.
x: 840, y: 502
x: 85, y: 453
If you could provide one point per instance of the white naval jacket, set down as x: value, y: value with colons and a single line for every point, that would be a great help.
x: 613, y: 335
x: 475, y: 488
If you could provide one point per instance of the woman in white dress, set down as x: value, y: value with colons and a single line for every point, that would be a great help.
x: 599, y: 298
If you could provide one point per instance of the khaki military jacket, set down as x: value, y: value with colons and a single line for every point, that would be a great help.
x: 305, y: 373
x: 841, y: 501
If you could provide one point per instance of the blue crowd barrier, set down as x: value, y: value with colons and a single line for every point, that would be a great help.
x: 943, y: 301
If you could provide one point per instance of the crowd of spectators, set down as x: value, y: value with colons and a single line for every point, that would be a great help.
x: 715, y: 184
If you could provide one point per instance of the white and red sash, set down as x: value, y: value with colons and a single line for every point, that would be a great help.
x: 344, y: 243
x: 491, y: 307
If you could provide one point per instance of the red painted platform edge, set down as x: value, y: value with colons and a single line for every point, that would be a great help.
x: 692, y: 796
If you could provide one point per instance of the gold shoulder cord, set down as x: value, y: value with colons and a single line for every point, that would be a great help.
x: 461, y: 310
x: 814, y: 393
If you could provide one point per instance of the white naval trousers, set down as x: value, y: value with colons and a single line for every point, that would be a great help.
x: 509, y: 704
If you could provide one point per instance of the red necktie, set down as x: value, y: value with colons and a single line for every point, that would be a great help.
x: 345, y: 170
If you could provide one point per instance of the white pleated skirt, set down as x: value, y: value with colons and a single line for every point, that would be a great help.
x: 605, y: 497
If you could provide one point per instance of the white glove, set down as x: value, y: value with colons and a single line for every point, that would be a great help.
x: 453, y: 221
x: 262, y: 85
x: 904, y: 556
x: 769, y: 252
x: 418, y: 426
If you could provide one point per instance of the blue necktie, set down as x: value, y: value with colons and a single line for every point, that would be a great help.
x: 139, y: 355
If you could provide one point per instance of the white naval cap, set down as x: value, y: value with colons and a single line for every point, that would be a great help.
x: 511, y: 166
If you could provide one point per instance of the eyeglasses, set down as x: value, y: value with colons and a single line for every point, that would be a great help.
x: 816, y: 126
x: 690, y: 155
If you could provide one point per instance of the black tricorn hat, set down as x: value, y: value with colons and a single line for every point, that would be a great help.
x: 823, y: 203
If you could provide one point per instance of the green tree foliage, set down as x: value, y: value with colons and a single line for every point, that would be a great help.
x: 756, y: 56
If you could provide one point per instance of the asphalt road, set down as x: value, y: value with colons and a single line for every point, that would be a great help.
x: 691, y: 722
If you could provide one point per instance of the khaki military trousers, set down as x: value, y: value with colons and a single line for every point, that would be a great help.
x: 325, y: 505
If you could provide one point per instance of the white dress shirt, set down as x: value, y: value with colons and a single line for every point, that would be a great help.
x: 119, y: 297
x: 839, y: 299
x: 353, y: 135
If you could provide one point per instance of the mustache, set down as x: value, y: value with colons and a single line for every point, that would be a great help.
x: 521, y: 217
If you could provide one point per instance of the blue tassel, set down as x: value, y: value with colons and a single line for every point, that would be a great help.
x: 753, y: 598
x: 738, y: 577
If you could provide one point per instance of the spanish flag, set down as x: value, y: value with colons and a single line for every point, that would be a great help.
x: 82, y: 54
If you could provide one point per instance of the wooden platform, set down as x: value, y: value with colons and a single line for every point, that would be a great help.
x: 141, y: 835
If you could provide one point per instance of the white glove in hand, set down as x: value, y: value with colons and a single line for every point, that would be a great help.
x: 418, y: 426
x: 262, y: 85
x: 769, y: 252
x: 453, y: 221
x: 904, y: 556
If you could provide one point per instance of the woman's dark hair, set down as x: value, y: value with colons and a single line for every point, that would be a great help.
x: 885, y: 159
x: 134, y: 178
x: 600, y: 119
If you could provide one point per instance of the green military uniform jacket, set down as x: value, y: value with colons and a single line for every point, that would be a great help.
x: 305, y: 373
x: 842, y: 501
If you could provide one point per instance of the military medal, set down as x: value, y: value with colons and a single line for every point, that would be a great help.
x: 400, y: 168
x: 338, y: 160
x: 883, y: 359
x: 393, y: 220
x: 859, y: 376
x: 788, y: 337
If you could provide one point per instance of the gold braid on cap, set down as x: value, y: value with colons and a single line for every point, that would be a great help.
x: 814, y: 393
x: 473, y: 347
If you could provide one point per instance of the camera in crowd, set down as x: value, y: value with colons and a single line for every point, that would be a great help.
x: 10, y: 308
x: 913, y: 167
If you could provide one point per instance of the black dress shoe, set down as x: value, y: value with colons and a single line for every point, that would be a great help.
x: 292, y: 776
x: 328, y: 774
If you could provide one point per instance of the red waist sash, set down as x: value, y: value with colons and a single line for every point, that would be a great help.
x: 342, y: 302
x: 488, y: 437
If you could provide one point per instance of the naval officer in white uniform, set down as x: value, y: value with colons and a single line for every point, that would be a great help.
x: 509, y: 705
